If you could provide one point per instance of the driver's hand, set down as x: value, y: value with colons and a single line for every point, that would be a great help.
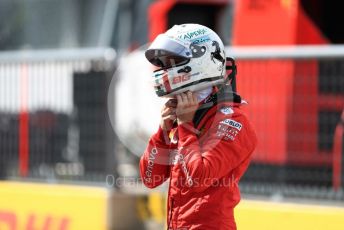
x: 168, y: 115
x: 186, y: 107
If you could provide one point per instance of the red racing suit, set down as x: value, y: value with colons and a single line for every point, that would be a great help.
x: 204, y: 165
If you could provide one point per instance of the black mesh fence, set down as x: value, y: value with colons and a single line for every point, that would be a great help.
x: 296, y: 106
x: 54, y: 121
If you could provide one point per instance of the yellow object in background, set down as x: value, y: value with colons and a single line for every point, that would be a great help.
x: 157, y: 205
x: 28, y: 206
x: 287, y: 216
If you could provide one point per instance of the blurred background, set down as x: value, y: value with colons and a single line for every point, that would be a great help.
x: 77, y: 109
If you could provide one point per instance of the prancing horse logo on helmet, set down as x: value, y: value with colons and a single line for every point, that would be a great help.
x: 217, y: 53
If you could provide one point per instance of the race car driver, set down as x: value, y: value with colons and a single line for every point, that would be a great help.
x: 205, y: 141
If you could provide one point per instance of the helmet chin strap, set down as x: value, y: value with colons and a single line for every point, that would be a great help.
x: 204, y: 93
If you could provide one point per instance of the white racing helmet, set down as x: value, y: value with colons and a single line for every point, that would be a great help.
x: 189, y: 57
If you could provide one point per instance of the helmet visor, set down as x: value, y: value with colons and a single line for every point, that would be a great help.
x: 165, y: 52
x: 167, y: 60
